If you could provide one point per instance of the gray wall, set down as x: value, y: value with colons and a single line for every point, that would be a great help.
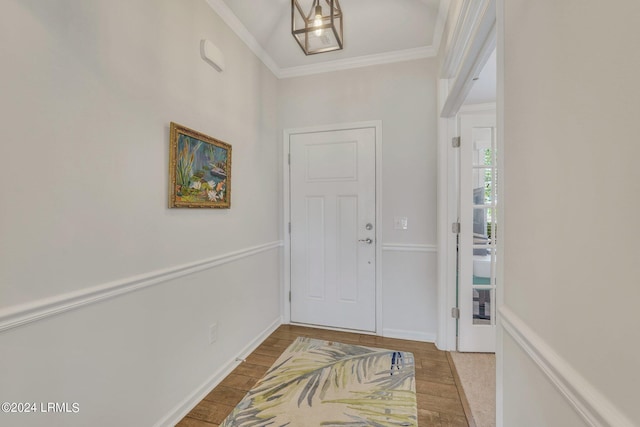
x: 572, y: 187
x: 403, y: 96
x: 88, y: 91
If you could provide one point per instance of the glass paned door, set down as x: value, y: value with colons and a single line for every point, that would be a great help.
x: 478, y: 228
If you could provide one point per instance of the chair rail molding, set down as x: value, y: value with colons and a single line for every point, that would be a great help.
x: 592, y: 405
x: 409, y: 247
x: 18, y: 315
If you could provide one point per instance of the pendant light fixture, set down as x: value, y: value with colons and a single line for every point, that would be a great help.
x: 319, y: 30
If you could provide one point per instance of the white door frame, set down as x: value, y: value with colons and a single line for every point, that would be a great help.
x: 447, y: 201
x: 500, y: 5
x: 447, y: 125
x: 471, y: 43
x: 286, y: 276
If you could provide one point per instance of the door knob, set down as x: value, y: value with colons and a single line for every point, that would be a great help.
x: 368, y: 241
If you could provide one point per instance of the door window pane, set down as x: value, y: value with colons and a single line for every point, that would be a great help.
x: 481, y: 306
x: 483, y: 186
x: 483, y: 265
x: 483, y: 147
x: 483, y: 226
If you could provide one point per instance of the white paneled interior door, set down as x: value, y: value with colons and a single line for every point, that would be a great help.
x: 333, y: 247
x: 477, y: 238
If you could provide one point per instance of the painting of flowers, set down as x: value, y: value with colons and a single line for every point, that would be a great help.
x: 199, y: 170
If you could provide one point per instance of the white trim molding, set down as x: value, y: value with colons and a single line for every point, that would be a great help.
x: 474, y: 54
x: 359, y: 61
x: 500, y: 243
x: 438, y: 32
x: 184, y: 407
x: 447, y: 202
x: 592, y: 405
x: 18, y: 315
x: 458, y: 39
x: 409, y: 335
x: 229, y: 18
x: 462, y: 35
x: 407, y: 247
x: 489, y: 107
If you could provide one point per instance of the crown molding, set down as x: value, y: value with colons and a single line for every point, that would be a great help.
x: 359, y: 61
x: 229, y: 18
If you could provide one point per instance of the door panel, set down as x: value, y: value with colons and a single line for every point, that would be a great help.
x: 332, y: 176
x: 314, y: 249
x: 347, y: 234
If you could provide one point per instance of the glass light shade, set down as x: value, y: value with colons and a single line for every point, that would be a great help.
x: 320, y: 29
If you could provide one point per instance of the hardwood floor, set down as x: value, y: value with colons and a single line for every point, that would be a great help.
x: 439, y: 397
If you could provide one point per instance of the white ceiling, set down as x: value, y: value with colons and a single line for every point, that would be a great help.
x: 375, y: 31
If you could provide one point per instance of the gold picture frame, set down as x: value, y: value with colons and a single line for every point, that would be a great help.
x: 199, y: 170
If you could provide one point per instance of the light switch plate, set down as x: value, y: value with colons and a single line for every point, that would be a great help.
x: 400, y: 223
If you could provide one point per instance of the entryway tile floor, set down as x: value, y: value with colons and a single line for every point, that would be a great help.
x: 477, y: 372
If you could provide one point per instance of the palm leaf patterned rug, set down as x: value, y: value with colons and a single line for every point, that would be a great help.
x: 321, y: 383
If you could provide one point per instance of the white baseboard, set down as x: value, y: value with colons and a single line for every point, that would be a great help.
x: 587, y: 400
x: 409, y: 335
x: 14, y: 316
x: 184, y: 407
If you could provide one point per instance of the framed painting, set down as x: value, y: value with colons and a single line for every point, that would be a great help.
x: 199, y: 170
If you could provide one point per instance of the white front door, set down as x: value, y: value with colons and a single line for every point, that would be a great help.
x: 478, y: 228
x: 333, y: 205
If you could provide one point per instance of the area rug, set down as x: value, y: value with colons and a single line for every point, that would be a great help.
x: 322, y: 383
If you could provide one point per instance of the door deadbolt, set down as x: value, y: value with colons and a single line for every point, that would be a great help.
x: 369, y: 226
